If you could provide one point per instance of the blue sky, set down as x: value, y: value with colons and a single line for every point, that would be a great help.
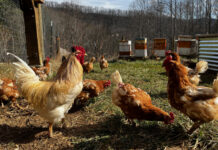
x: 112, y: 4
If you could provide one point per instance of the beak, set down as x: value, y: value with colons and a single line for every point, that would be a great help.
x: 86, y: 54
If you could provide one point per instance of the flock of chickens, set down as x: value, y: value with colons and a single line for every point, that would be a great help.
x: 54, y: 98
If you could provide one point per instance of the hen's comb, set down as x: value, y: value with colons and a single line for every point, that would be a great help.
x: 167, y: 52
x: 172, y: 115
x: 47, y: 58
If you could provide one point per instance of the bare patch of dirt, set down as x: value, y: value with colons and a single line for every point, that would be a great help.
x: 25, y: 129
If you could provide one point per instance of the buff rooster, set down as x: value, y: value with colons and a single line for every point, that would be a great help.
x: 51, y: 99
x: 199, y: 103
x: 193, y: 74
x: 136, y: 103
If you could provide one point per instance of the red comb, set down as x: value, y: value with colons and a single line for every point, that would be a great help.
x: 167, y: 52
x: 172, y: 115
x: 108, y: 83
x: 47, y: 58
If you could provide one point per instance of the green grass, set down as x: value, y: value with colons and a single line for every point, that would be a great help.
x: 105, y: 126
x: 115, y: 133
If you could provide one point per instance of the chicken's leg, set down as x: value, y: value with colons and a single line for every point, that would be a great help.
x: 131, y: 121
x: 50, y: 130
x: 2, y: 104
x: 194, y: 127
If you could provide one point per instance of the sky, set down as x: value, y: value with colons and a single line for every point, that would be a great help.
x: 110, y: 4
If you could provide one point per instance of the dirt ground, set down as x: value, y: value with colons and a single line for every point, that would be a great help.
x: 24, y: 129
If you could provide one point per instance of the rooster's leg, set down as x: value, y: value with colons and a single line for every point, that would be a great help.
x: 50, y: 130
x: 194, y: 127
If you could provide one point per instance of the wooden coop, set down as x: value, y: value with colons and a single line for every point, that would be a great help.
x: 208, y: 50
x: 141, y: 48
x: 33, y: 30
x: 186, y: 45
x: 159, y: 47
x: 125, y: 49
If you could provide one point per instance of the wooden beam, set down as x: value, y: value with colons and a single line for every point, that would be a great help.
x: 33, y: 30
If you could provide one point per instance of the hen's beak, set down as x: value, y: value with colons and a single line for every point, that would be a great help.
x: 86, y: 54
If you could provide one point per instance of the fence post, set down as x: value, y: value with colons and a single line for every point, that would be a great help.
x: 57, y: 44
x: 33, y: 30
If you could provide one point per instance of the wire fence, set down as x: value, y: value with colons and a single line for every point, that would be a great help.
x: 49, y: 33
x: 12, y: 30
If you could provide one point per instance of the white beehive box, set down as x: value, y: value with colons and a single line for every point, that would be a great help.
x: 159, y: 46
x: 186, y: 46
x: 141, y: 47
x: 125, y: 49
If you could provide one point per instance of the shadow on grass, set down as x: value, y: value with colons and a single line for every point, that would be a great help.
x: 108, y: 133
x: 163, y: 73
x: 18, y: 135
x: 208, y: 77
x: 112, y: 133
x: 159, y: 95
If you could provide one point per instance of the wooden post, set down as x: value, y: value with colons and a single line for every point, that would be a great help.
x: 33, y: 30
x: 57, y: 45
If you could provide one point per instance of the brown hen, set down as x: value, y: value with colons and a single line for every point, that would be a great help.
x: 103, y: 63
x: 91, y: 88
x: 199, y: 103
x: 136, y: 103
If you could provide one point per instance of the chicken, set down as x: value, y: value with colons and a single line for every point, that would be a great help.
x: 43, y: 71
x: 51, y: 99
x: 88, y: 66
x: 8, y: 91
x: 103, y: 63
x: 193, y: 74
x: 199, y: 103
x: 136, y: 103
x: 91, y: 88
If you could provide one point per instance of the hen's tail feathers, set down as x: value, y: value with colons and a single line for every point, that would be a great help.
x: 116, y: 77
x: 201, y: 66
x: 23, y: 70
x: 215, y: 85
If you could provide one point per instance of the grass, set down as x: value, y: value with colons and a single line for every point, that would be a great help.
x: 105, y: 126
x: 149, y: 76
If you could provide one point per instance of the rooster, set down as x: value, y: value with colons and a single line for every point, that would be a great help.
x: 91, y: 88
x: 51, y: 99
x: 8, y: 91
x: 199, y: 103
x: 43, y: 71
x: 136, y: 103
x: 193, y: 74
x: 88, y: 66
x: 103, y: 63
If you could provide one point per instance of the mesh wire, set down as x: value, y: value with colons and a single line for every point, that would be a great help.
x: 12, y: 31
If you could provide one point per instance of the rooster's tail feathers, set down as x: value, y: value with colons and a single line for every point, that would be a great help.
x: 201, y: 66
x: 23, y: 68
x: 116, y: 77
x: 215, y: 85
